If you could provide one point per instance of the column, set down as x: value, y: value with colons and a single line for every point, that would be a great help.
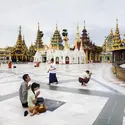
x: 90, y: 57
x: 86, y: 56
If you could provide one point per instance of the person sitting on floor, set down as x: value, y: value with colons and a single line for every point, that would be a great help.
x: 32, y: 100
x: 84, y: 79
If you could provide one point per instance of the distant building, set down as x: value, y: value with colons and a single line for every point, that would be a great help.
x: 61, y: 54
x: 83, y: 52
x: 113, y: 48
x: 5, y: 55
x: 106, y: 55
x: 118, y: 48
x: 19, y: 53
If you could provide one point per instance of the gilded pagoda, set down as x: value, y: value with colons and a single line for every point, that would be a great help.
x: 118, y: 47
x: 20, y: 51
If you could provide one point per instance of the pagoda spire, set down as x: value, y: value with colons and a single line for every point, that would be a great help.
x: 77, y: 33
x: 117, y: 34
x: 39, y: 43
x: 20, y: 30
x: 56, y: 26
x: 38, y: 27
x: 19, y: 35
x: 111, y: 32
x: 84, y: 25
x: 116, y: 23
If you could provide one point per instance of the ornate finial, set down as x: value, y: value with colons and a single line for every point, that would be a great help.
x: 116, y: 23
x: 20, y: 29
x: 117, y: 20
x: 111, y: 32
x: 56, y: 26
x: 77, y: 28
x: 84, y: 25
x: 38, y: 27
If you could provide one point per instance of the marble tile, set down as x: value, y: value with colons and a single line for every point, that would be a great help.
x: 72, y: 112
x: 79, y: 109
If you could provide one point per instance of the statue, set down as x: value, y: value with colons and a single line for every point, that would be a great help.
x: 65, y: 34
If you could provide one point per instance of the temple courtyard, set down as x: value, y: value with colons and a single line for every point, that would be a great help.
x: 101, y: 102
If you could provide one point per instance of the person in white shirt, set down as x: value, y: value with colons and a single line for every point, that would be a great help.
x: 85, y: 77
x: 52, y: 73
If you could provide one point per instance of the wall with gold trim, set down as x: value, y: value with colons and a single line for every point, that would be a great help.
x: 120, y: 72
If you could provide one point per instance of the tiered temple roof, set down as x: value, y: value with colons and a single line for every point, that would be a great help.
x: 39, y: 43
x: 86, y: 42
x: 117, y: 43
x: 56, y: 40
x: 20, y: 46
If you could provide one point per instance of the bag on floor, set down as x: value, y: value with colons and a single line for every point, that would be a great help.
x: 41, y: 108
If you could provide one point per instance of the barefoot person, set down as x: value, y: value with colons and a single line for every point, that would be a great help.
x: 52, y: 73
x: 23, y: 90
x: 84, y: 79
x: 32, y: 99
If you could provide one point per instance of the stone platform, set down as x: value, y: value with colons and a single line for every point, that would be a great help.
x: 101, y: 102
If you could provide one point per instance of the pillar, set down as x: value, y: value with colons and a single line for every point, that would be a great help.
x: 86, y: 56
x: 90, y: 56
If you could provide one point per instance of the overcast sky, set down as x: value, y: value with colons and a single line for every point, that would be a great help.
x: 100, y: 17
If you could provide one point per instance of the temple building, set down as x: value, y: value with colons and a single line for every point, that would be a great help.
x: 106, y: 55
x: 62, y: 54
x: 84, y: 50
x: 118, y: 48
x: 39, y: 42
x: 5, y: 55
x: 38, y: 49
x: 92, y: 51
x: 20, y: 51
x: 118, y: 54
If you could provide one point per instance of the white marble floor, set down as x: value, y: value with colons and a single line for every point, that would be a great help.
x: 79, y: 109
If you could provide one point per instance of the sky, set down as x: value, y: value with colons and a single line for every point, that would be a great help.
x: 99, y: 15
